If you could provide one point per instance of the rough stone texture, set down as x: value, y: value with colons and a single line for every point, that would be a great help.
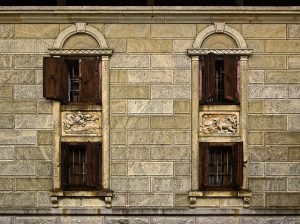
x: 129, y: 92
x: 275, y: 122
x: 28, y: 91
x: 182, y: 169
x: 267, y: 61
x: 255, y: 138
x: 267, y: 92
x: 173, y: 220
x: 36, y: 30
x: 25, y: 45
x: 118, y: 76
x: 6, y: 61
x: 127, y: 220
x: 294, y: 153
x: 33, y: 121
x: 34, y: 153
x: 264, y: 30
x: 150, y: 106
x: 6, y: 91
x: 44, y: 107
x: 182, y: 106
x: 130, y: 61
x: 177, y: 185
x: 13, y: 168
x: 293, y: 62
x: 170, y: 92
x: 282, y: 77
x: 150, y: 76
x: 282, y: 138
x: 150, y: 169
x: 150, y: 200
x: 173, y: 30
x: 267, y: 220
x: 42, y: 45
x: 131, y: 122
x: 33, y: 184
x: 6, y: 220
x: 170, y: 122
x: 6, y: 30
x: 256, y: 76
x: 6, y: 121
x: 268, y: 153
x: 11, y: 137
x: 7, y: 46
x: 44, y: 137
x: 17, y: 76
x: 170, y: 153
x: 147, y: 45
x: 18, y: 200
x: 18, y: 106
x: 44, y: 168
x: 119, y: 45
x: 180, y: 46
x: 119, y: 200
x: 282, y: 106
x: 7, y: 153
x: 294, y: 91
x: 118, y: 137
x: 131, y: 184
x: 216, y: 220
x: 256, y: 169
x: 130, y: 153
x: 257, y: 200
x: 293, y: 184
x: 79, y: 220
x: 294, y: 123
x: 182, y: 76
x: 28, y: 61
x: 33, y: 220
x: 181, y: 200
x: 127, y: 30
x: 258, y: 46
x: 118, y: 169
x: 282, y: 46
x: 270, y: 184
x: 7, y: 184
x: 255, y: 107
x: 170, y: 61
x: 283, y: 200
x: 287, y: 169
x: 117, y: 107
x: 293, y: 30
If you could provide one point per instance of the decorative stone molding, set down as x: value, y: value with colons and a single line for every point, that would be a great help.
x: 81, y: 123
x: 61, y: 51
x: 203, y: 51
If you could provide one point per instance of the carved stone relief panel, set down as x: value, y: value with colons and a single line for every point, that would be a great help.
x: 215, y: 123
x: 81, y: 123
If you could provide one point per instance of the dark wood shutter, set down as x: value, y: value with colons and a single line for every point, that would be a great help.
x: 52, y: 78
x: 64, y: 165
x: 208, y: 79
x: 230, y: 78
x: 238, y: 159
x: 93, y: 164
x: 89, y: 86
x: 204, y: 147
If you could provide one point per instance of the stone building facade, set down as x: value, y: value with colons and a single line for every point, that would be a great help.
x: 150, y: 124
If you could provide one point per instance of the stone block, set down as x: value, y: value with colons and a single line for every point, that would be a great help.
x: 119, y: 45
x: 129, y: 122
x: 44, y: 169
x: 282, y: 77
x: 6, y: 61
x: 18, y: 200
x: 150, y: 200
x: 293, y: 184
x: 278, y: 169
x: 182, y: 76
x: 7, y: 45
x: 117, y: 106
x: 283, y: 200
x: 130, y: 153
x: 130, y: 92
x: 7, y: 153
x: 267, y: 61
x: 130, y: 61
x: 28, y: 91
x: 181, y: 200
x: 92, y: 203
x: 150, y: 76
x: 170, y: 92
x: 69, y: 202
x: 294, y: 91
x: 150, y: 106
x: 36, y: 30
x: 42, y: 45
x: 267, y: 184
x: 255, y: 107
x: 282, y: 138
x: 118, y: 169
x: 170, y: 61
x: 6, y: 30
x: 127, y: 220
x: 34, y: 220
x: 33, y: 184
x: 268, y: 153
x: 45, y: 137
x: 177, y: 185
x: 173, y: 30
x: 150, y: 168
x: 6, y: 220
x: 158, y: 137
x: 282, y: 106
x: 170, y: 153
x: 25, y: 45
x: 256, y: 169
x: 6, y: 91
x: 293, y: 30
x: 182, y: 106
x: 118, y: 76
x: 293, y: 62
x: 294, y: 153
x: 28, y: 61
x: 33, y: 121
x: 181, y: 46
x: 283, y: 46
x: 170, y: 122
x: 118, y: 138
x: 208, y: 202
x: 140, y: 184
x: 126, y: 30
x: 269, y: 122
x: 17, y: 76
x: 264, y: 30
x: 258, y: 46
x: 6, y: 121
x: 267, y: 91
x: 255, y: 138
x: 182, y: 169
x: 257, y: 200
x: 18, y: 107
x: 173, y: 220
x: 139, y: 45
x: 7, y: 184
x: 39, y: 76
x: 119, y: 200
x: 294, y: 123
x: 231, y: 202
x: 44, y: 107
x: 256, y: 76
x: 265, y: 220
x: 12, y: 137
x: 13, y: 168
x: 34, y: 153
x: 82, y: 219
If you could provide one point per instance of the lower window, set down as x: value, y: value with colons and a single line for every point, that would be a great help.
x: 221, y: 165
x: 81, y: 165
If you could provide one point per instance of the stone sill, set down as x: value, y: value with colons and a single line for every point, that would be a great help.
x: 80, y: 106
x: 221, y: 108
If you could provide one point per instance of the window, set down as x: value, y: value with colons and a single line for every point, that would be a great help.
x: 72, y: 80
x: 222, y: 166
x: 219, y: 81
x: 81, y: 165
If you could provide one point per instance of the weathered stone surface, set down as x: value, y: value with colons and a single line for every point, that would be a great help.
x: 129, y: 92
x: 256, y: 76
x: 129, y: 122
x: 216, y: 220
x: 283, y: 200
x: 177, y: 185
x: 284, y: 77
x: 268, y: 153
x: 36, y: 30
x: 293, y: 184
x: 255, y: 138
x: 45, y: 137
x: 7, y: 45
x: 39, y: 76
x: 33, y: 184
x: 8, y: 137
x: 267, y: 91
x: 231, y: 202
x: 264, y: 30
x: 257, y: 200
x: 33, y: 121
x: 287, y: 169
x: 82, y: 41
x: 294, y: 91
x: 118, y: 76
x: 12, y: 168
x: 130, y: 153
x: 170, y: 153
x: 28, y: 91
x: 130, y: 61
x: 173, y: 220
x: 34, y: 153
x: 118, y: 169
x: 150, y: 168
x: 269, y: 184
x: 119, y: 200
x: 267, y: 61
x: 17, y: 76
x: 180, y: 46
x: 6, y: 61
x: 69, y: 202
x: 6, y: 219
x: 173, y: 30
x: 293, y: 30
x: 294, y: 153
x: 170, y: 92
x: 255, y: 107
x: 266, y: 220
x: 170, y: 61
x: 182, y: 169
x: 6, y: 30
x: 256, y: 169
x: 294, y: 123
x: 117, y: 106
x: 140, y: 184
x: 42, y: 45
x: 82, y: 219
x: 6, y: 91
x: 150, y: 106
x: 7, y: 184
x: 258, y: 46
x: 158, y: 137
x: 92, y: 202
x: 127, y: 30
x: 293, y: 62
x: 182, y: 76
x: 170, y: 122
x: 208, y: 202
x: 44, y: 107
x: 44, y: 168
x: 150, y: 200
x: 18, y: 200
x: 28, y: 61
x: 7, y: 153
x: 219, y: 41
x: 149, y: 45
x: 118, y: 137
x: 6, y: 121
x: 33, y: 220
x: 282, y: 138
x: 282, y: 46
x: 119, y: 45
x: 282, y: 106
x: 181, y: 200
x: 274, y: 122
x: 25, y: 45
x: 182, y: 106
x: 150, y: 76
x: 127, y: 220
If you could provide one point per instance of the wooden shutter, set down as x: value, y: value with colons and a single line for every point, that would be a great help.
x: 230, y: 77
x: 208, y: 77
x: 64, y: 165
x: 52, y: 78
x: 203, y: 179
x: 238, y: 162
x: 93, y: 164
x: 89, y: 86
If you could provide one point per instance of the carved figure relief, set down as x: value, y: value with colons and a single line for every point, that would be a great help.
x: 77, y: 122
x: 219, y: 123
